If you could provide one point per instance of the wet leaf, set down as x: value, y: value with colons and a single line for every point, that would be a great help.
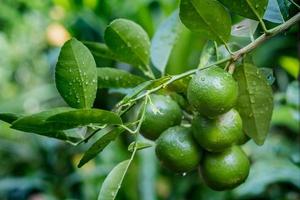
x: 129, y: 42
x: 83, y: 117
x: 208, y: 55
x: 208, y: 18
x: 116, y: 78
x: 76, y: 75
x: 255, y: 102
x: 9, y: 117
x: 164, y: 41
x: 268, y: 74
x: 139, y: 145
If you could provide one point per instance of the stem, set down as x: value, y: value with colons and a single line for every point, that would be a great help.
x: 262, y: 23
x: 236, y: 55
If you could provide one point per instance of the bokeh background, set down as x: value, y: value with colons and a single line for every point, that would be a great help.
x: 38, y: 168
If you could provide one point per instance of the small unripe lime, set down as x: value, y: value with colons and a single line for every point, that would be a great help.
x: 225, y: 170
x: 160, y: 114
x: 177, y: 151
x: 218, y: 133
x: 212, y: 92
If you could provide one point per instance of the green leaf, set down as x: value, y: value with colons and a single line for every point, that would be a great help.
x: 293, y: 94
x: 83, y: 117
x: 247, y: 8
x: 208, y: 18
x: 113, y: 181
x: 9, y: 117
x: 116, y: 78
x: 255, y: 102
x: 208, y: 54
x: 129, y: 42
x: 287, y: 116
x: 76, y: 75
x: 164, y: 41
x: 139, y: 145
x: 102, y: 54
x: 37, y: 123
x: 107, y: 135
x: 268, y: 74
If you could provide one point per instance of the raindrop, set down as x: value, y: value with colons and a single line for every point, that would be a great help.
x: 184, y: 174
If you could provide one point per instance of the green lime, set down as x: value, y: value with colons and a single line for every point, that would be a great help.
x: 212, y: 92
x: 176, y: 149
x: 218, y: 133
x: 161, y: 113
x: 225, y: 170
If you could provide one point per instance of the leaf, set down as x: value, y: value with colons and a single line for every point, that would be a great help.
x: 76, y: 75
x: 293, y: 94
x: 129, y: 42
x: 255, y: 102
x: 287, y: 116
x: 247, y: 8
x: 268, y: 74
x: 245, y: 28
x: 108, y: 135
x: 262, y: 175
x: 102, y: 54
x: 291, y: 65
x: 9, y: 117
x: 83, y: 117
x: 164, y: 41
x: 273, y: 12
x: 139, y: 145
x: 208, y: 18
x: 37, y: 123
x: 208, y: 54
x: 116, y: 78
x: 113, y: 181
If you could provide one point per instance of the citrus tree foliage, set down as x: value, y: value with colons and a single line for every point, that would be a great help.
x: 78, y: 77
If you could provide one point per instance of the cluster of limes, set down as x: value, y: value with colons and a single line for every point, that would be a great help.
x: 213, y: 138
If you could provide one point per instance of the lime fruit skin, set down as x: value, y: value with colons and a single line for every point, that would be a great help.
x: 219, y: 133
x: 225, y: 170
x: 212, y: 92
x: 160, y: 114
x: 177, y: 150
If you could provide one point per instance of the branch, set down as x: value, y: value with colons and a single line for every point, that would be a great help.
x: 236, y: 55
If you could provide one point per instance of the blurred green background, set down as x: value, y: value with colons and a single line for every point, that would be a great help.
x: 38, y: 168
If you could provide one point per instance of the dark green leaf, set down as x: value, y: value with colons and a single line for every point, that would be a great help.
x: 108, y: 135
x: 83, y: 117
x: 139, y: 145
x: 255, y: 102
x: 208, y: 18
x: 113, y: 181
x: 37, y: 123
x: 116, y: 78
x: 247, y: 8
x: 129, y: 42
x: 103, y: 56
x: 76, y: 75
x: 164, y: 41
x: 9, y: 117
x: 209, y: 54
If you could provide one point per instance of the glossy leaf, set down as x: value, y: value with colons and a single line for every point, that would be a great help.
x: 9, y: 117
x: 255, y: 102
x: 247, y: 8
x: 113, y: 181
x: 129, y: 42
x: 76, y: 75
x: 116, y: 78
x: 245, y: 28
x: 273, y: 12
x: 37, y: 123
x: 208, y: 54
x: 83, y: 117
x: 139, y: 145
x: 164, y: 41
x: 208, y: 18
x: 107, y: 135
